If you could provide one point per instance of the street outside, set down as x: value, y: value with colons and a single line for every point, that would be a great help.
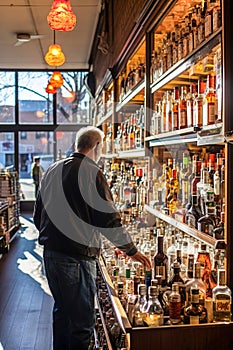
x: 27, y: 189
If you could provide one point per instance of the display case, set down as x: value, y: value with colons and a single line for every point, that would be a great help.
x: 187, y: 111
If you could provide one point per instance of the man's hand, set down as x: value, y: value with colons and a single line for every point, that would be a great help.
x: 142, y: 259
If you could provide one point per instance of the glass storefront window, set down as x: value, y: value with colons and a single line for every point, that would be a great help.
x: 7, y: 150
x: 65, y: 143
x: 35, y: 105
x: 73, y: 100
x: 7, y: 97
x: 33, y: 144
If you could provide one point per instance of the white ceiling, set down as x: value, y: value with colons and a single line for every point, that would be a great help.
x: 30, y: 16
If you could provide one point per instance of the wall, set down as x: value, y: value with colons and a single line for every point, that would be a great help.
x: 122, y: 18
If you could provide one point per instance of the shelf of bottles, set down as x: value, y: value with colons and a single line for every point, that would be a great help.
x: 9, y: 211
x: 127, y: 181
x: 130, y: 84
x: 105, y: 105
x: 164, y: 296
x: 186, y: 74
x: 112, y: 324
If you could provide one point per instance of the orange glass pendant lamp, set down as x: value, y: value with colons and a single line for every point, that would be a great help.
x: 61, y: 17
x: 55, y: 57
x: 56, y: 79
x: 50, y: 89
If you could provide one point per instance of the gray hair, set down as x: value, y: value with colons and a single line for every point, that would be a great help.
x: 88, y: 137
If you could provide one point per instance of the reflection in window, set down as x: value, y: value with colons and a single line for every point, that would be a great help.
x: 7, y: 97
x: 73, y: 99
x: 65, y: 143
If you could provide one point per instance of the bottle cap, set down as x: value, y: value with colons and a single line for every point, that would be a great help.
x: 176, y: 265
x: 153, y: 290
x: 142, y: 289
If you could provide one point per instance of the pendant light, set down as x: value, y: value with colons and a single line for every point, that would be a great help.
x: 56, y: 79
x: 55, y: 57
x: 50, y: 89
x: 61, y: 17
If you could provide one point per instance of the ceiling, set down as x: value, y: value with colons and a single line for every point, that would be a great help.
x: 30, y: 16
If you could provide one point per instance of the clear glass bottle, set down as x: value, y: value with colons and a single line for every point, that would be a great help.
x: 140, y: 306
x: 221, y: 299
x: 154, y: 311
x: 175, y: 305
x: 196, y: 282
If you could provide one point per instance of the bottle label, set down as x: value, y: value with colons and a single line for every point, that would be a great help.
x: 174, y: 309
x: 161, y: 270
x: 194, y: 319
x: 223, y: 305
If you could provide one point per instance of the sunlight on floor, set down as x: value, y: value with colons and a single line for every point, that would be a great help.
x: 32, y: 265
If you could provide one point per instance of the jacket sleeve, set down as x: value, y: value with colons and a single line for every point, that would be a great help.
x: 109, y: 220
x: 37, y: 211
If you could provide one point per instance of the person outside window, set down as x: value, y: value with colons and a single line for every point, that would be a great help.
x: 74, y: 208
x: 37, y: 173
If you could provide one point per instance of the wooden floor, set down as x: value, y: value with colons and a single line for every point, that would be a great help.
x: 25, y: 300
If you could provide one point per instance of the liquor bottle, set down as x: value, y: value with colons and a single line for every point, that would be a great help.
x: 171, y: 254
x: 175, y: 278
x: 154, y: 311
x: 132, y: 298
x: 109, y: 138
x: 122, y: 343
x: 218, y: 232
x: 121, y: 294
x: 175, y: 109
x: 173, y: 192
x: 184, y: 180
x: 194, y: 212
x: 207, y: 275
x: 175, y: 305
x: 201, y: 25
x: 207, y: 223
x: 196, y: 282
x: 183, y: 109
x: 198, y: 105
x: 195, y: 313
x: 210, y: 101
x: 168, y: 111
x: 190, y: 102
x: 174, y: 48
x: 217, y: 16
x: 190, y: 269
x: 209, y: 20
x: 221, y: 299
x: 160, y: 261
x: 140, y: 306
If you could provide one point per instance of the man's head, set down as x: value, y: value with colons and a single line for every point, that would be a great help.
x: 37, y: 159
x: 89, y: 141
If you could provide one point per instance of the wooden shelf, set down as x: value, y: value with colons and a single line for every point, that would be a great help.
x: 180, y: 67
x: 210, y: 241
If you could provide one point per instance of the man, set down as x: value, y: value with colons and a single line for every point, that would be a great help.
x: 74, y: 207
x: 37, y: 173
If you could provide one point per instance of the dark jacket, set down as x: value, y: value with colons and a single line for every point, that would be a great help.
x: 74, y: 207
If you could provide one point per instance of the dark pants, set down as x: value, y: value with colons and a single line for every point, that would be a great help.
x: 72, y: 284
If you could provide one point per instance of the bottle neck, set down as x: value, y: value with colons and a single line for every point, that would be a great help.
x: 160, y: 244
